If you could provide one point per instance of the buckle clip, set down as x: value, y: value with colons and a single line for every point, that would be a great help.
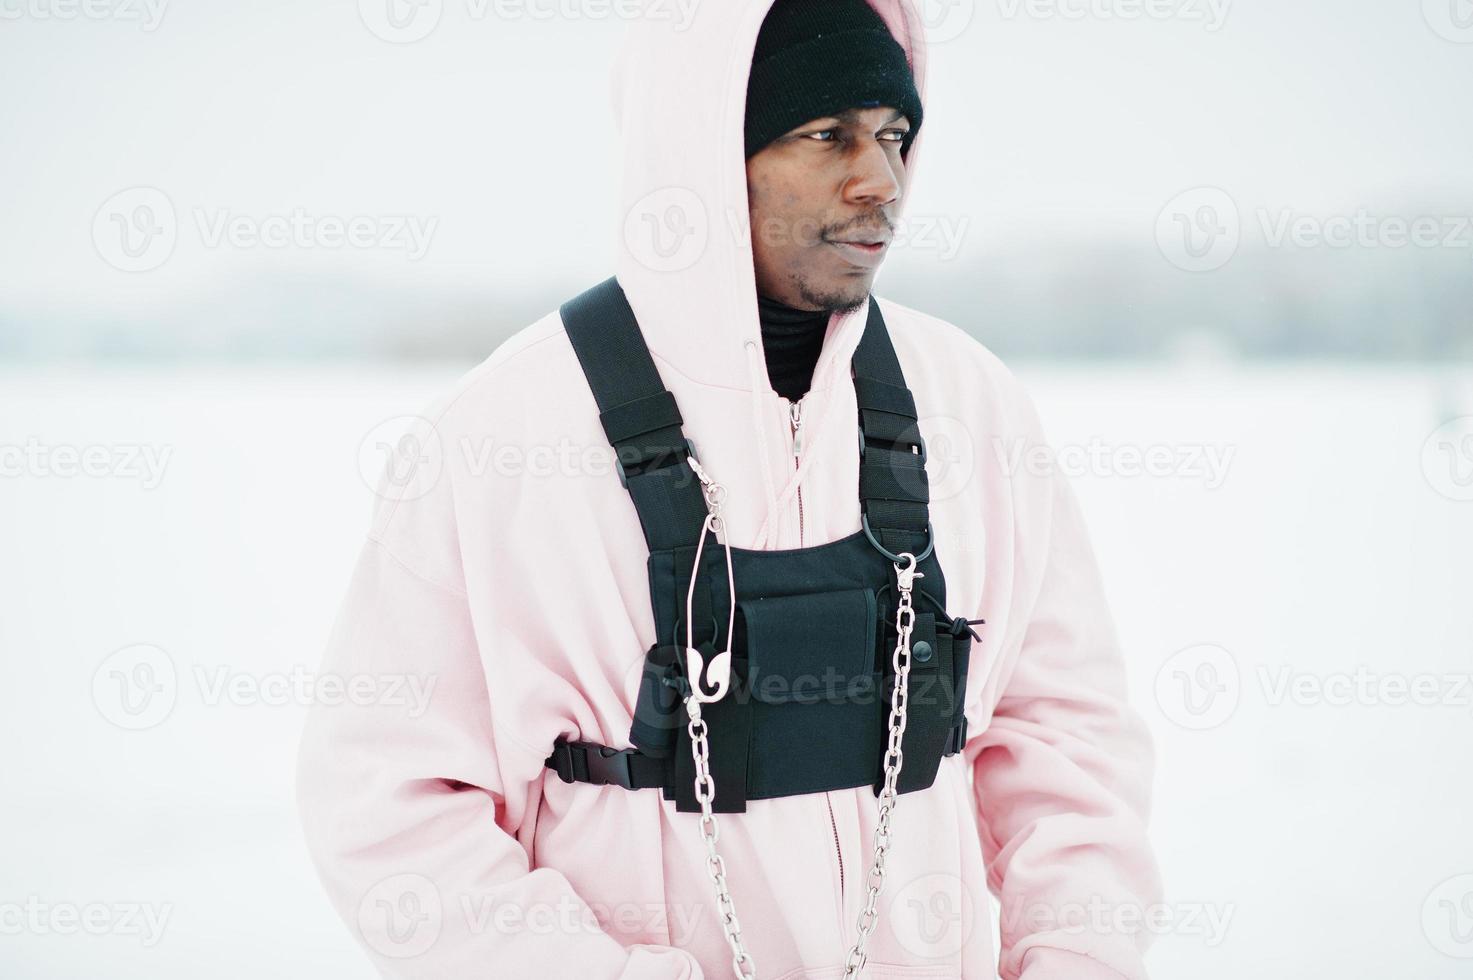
x: 609, y: 766
x: 589, y: 762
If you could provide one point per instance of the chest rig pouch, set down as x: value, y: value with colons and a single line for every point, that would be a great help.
x: 810, y: 672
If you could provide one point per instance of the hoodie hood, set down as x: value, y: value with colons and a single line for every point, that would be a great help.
x: 679, y: 94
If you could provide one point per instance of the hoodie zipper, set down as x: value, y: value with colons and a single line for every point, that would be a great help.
x: 795, y: 417
x: 837, y: 852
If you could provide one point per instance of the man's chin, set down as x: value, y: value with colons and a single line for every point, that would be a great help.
x: 842, y: 297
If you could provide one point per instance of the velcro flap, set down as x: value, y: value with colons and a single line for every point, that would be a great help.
x: 810, y: 648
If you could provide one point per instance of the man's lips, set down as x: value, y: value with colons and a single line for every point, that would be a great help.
x: 861, y: 251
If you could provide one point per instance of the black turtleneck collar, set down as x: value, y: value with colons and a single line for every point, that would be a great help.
x: 792, y: 340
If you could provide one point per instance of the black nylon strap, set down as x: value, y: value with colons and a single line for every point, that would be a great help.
x: 893, y: 503
x: 648, y: 414
x: 638, y: 414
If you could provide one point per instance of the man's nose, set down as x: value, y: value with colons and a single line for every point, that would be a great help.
x: 873, y: 179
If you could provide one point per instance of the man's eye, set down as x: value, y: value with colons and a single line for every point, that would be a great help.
x: 897, y: 135
x: 823, y: 132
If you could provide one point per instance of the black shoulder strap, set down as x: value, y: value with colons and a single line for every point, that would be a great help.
x: 643, y: 424
x: 894, y: 493
x: 639, y: 415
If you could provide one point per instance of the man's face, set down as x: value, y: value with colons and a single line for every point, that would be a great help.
x: 831, y: 181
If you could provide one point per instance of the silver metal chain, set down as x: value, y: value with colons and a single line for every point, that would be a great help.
x: 905, y: 575
x: 742, y: 964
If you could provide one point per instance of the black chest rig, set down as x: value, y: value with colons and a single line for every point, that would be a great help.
x: 810, y: 681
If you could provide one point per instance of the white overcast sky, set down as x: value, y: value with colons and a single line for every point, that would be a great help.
x: 1040, y: 127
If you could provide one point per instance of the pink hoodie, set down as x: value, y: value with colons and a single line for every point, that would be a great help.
x: 508, y: 570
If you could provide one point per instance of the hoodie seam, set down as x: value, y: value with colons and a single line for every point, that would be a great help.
x: 383, y: 546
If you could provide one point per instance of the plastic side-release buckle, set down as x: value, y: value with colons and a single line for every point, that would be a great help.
x: 589, y: 762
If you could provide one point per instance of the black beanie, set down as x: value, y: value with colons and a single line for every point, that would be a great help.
x: 814, y: 58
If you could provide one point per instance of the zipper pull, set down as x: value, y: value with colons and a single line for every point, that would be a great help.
x: 795, y: 412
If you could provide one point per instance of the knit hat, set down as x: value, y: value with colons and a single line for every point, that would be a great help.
x: 814, y: 58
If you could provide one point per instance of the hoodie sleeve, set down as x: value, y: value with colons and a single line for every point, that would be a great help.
x: 1063, y: 771
x: 408, y: 809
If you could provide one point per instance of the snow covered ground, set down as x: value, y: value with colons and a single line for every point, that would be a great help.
x: 1291, y: 585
